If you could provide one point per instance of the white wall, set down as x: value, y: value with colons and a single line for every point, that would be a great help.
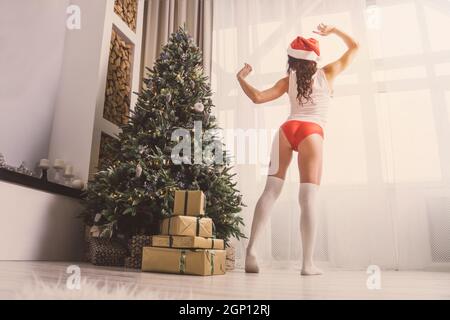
x: 49, y: 85
x: 43, y: 227
x: 81, y: 74
x: 32, y: 40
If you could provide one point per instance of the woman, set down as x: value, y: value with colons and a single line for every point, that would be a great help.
x: 310, y: 91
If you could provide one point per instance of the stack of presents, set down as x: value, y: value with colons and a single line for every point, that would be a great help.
x: 187, y: 243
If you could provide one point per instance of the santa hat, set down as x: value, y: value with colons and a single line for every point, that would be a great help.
x: 306, y: 49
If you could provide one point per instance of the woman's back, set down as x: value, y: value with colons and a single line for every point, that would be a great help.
x: 317, y: 110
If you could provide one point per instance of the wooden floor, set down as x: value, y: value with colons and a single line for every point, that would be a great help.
x: 15, y: 277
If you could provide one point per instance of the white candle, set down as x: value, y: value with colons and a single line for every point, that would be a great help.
x: 59, y: 164
x: 78, y: 184
x: 44, y: 164
x: 68, y: 171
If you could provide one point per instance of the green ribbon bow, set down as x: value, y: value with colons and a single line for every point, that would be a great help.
x: 186, y: 197
x: 212, y: 255
x: 182, y: 264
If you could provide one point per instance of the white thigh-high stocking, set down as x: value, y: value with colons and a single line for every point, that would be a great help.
x: 263, y: 207
x: 308, y: 226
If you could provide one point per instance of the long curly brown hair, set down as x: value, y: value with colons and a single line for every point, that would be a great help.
x: 305, y: 69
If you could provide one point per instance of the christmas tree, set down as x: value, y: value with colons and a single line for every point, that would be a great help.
x: 134, y: 188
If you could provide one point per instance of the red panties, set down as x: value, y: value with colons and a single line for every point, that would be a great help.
x: 296, y: 131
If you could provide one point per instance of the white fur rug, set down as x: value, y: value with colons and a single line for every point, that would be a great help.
x: 92, y: 290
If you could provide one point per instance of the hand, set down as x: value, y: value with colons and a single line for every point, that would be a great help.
x: 245, y: 71
x: 324, y: 30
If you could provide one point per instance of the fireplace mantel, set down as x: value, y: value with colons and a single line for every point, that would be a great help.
x: 38, y: 184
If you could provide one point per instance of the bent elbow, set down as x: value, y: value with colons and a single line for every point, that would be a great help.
x: 257, y: 99
x: 355, y: 45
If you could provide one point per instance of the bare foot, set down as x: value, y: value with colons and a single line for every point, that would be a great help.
x: 251, y: 265
x: 311, y: 271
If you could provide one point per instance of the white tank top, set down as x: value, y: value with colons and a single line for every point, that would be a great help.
x: 317, y: 111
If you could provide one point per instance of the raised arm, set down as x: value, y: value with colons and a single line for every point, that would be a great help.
x: 257, y: 96
x: 336, y: 67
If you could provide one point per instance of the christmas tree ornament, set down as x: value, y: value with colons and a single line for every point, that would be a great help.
x: 180, y: 79
x: 142, y: 149
x: 138, y: 171
x: 97, y: 217
x: 199, y: 107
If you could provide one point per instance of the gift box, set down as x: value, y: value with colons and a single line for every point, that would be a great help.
x: 189, y: 203
x: 188, y: 242
x: 106, y: 252
x: 181, y: 261
x: 187, y: 226
x: 133, y: 263
x: 136, y: 243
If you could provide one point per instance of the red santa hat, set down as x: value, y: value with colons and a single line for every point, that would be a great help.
x: 306, y: 49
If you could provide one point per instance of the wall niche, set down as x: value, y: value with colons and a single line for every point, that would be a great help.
x: 118, y: 84
x: 119, y: 72
x: 105, y: 155
x: 127, y: 10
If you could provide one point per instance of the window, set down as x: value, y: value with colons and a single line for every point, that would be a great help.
x: 270, y: 58
x: 346, y: 79
x: 408, y: 137
x: 400, y: 74
x: 442, y: 69
x: 398, y: 32
x: 345, y: 156
x: 225, y: 58
x: 437, y: 21
x: 402, y: 50
x: 447, y: 96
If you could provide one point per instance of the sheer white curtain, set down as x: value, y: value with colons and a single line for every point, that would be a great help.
x: 385, y: 188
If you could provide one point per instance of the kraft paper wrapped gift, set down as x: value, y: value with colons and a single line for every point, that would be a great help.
x: 188, y: 242
x: 187, y: 226
x: 189, y: 203
x: 181, y: 261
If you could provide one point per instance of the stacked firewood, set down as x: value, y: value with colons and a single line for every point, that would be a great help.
x: 230, y: 261
x: 118, y: 88
x: 127, y: 10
